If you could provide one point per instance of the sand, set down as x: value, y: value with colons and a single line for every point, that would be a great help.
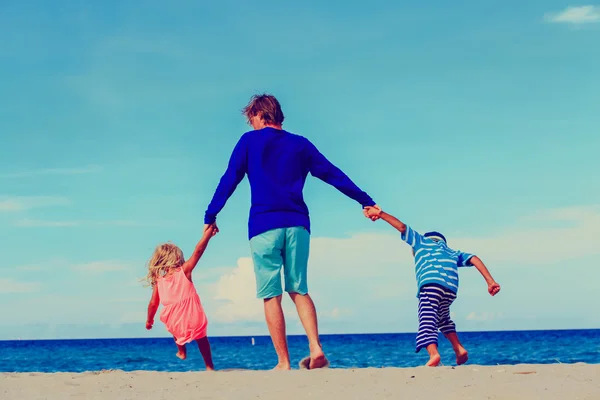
x: 577, y: 381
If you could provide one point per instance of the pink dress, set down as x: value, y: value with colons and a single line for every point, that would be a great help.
x: 182, y: 311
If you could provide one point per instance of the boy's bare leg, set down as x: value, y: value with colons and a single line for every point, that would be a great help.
x: 308, y: 316
x: 181, y: 351
x: 204, y: 347
x: 276, y: 325
x: 434, y: 356
x: 461, y: 353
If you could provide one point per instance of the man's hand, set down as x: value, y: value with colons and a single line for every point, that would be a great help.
x: 149, y: 324
x: 213, y: 227
x: 373, y: 213
x: 493, y: 288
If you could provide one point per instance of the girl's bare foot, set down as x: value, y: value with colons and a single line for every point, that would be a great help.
x: 434, y: 360
x: 181, y: 350
x: 462, y: 356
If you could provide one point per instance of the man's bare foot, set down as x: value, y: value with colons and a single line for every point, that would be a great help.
x: 181, y: 355
x: 462, y: 356
x: 282, y: 367
x: 434, y: 360
x: 210, y: 369
x: 317, y: 357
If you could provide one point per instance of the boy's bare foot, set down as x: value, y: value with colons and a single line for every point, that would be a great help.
x: 181, y: 355
x: 282, y: 367
x: 462, y: 356
x: 434, y: 360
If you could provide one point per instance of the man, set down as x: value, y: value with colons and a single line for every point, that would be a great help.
x: 277, y: 163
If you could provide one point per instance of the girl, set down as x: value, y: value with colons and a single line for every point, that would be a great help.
x: 171, y: 279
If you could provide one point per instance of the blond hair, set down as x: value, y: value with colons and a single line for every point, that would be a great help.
x: 165, y: 257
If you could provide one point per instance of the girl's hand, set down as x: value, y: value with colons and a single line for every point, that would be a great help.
x: 493, y: 288
x: 149, y: 324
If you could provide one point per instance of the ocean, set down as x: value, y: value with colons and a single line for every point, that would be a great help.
x: 344, y: 351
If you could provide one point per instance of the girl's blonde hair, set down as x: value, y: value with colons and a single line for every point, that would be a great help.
x: 165, y: 257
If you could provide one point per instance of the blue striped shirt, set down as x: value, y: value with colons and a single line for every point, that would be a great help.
x: 435, y: 262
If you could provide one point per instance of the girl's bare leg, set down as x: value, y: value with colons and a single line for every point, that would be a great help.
x: 181, y: 350
x: 204, y: 347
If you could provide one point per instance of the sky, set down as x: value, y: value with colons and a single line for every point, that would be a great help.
x: 476, y: 119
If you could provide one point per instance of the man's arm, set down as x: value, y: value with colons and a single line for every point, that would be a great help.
x: 493, y: 286
x: 321, y: 168
x: 236, y: 170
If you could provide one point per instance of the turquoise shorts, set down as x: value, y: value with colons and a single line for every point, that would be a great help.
x: 273, y: 250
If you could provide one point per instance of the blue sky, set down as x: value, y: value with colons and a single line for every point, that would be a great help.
x: 117, y: 120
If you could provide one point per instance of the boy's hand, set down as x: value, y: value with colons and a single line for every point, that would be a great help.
x: 493, y: 288
x: 373, y: 213
x: 149, y: 324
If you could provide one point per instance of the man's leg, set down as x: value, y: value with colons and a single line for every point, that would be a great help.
x: 295, y: 268
x: 267, y: 256
x: 276, y: 325
x: 308, y: 316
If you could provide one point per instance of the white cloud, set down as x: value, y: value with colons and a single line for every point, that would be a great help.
x: 14, y: 286
x: 576, y: 15
x: 40, y: 223
x: 483, y: 316
x: 49, y: 171
x: 378, y: 268
x: 546, y: 238
x: 235, y: 293
x: 103, y: 266
x: 362, y: 283
x: 335, y: 313
x: 22, y: 203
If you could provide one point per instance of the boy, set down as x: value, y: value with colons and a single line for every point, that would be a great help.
x: 436, y: 267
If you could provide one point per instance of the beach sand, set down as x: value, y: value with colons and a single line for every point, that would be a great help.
x: 562, y: 381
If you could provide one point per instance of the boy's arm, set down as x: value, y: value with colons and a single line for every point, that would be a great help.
x: 191, y: 262
x: 236, y: 170
x: 493, y: 286
x: 409, y: 235
x: 321, y: 168
x: 152, y: 307
x: 393, y: 221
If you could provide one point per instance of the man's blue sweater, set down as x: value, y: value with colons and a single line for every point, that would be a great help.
x: 277, y: 163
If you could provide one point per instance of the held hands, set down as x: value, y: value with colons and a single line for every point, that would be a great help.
x: 372, y: 212
x: 149, y: 324
x: 493, y: 288
x: 210, y: 230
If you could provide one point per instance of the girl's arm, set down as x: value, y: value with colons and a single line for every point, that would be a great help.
x: 493, y: 286
x: 152, y: 307
x: 190, y: 264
